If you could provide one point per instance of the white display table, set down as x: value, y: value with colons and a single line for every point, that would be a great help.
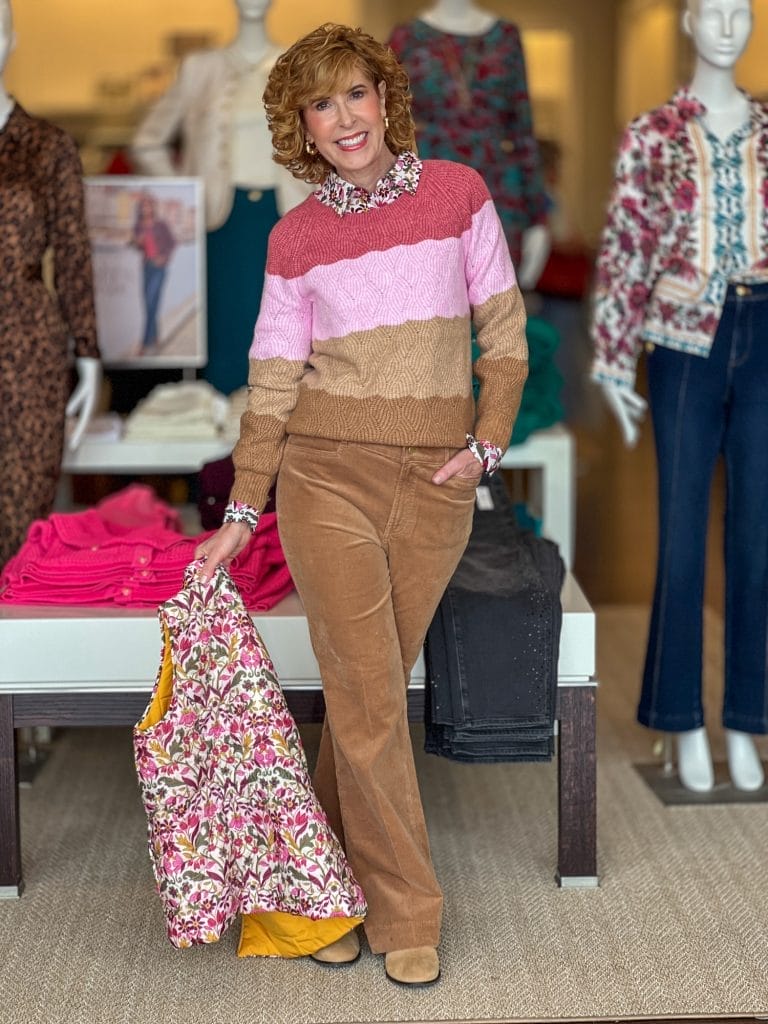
x: 96, y: 666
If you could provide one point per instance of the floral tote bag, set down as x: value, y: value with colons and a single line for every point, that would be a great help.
x: 234, y: 825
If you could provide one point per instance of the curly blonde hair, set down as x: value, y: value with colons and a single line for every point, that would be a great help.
x: 317, y: 66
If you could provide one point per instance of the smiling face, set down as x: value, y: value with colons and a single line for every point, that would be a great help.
x: 347, y: 127
x: 720, y: 29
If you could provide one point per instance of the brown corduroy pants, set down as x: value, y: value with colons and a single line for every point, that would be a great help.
x: 371, y: 543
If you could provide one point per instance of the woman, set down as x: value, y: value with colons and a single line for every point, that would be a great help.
x: 153, y: 237
x: 361, y: 394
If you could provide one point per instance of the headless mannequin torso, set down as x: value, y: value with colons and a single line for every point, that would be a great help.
x: 720, y: 30
x: 215, y: 108
x: 462, y: 17
x: 250, y: 142
x: 84, y: 398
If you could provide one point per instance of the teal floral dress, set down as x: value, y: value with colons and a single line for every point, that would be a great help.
x: 471, y: 104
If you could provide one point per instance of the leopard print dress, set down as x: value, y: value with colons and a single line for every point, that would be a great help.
x: 41, y: 207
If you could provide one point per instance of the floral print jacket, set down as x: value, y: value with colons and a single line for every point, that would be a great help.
x: 657, y: 257
x: 234, y: 825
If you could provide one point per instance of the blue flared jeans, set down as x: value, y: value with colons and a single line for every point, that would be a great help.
x: 702, y: 407
x: 154, y: 278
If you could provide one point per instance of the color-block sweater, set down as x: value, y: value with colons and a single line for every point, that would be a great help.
x: 364, y: 329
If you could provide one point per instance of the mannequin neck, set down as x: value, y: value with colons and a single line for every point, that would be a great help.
x: 251, y: 40
x: 727, y: 107
x: 459, y: 16
x: 715, y: 87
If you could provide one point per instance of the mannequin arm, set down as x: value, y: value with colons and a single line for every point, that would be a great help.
x: 151, y: 145
x: 629, y: 409
x: 536, y: 246
x: 83, y: 400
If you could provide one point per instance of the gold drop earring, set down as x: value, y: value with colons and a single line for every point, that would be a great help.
x: 310, y: 148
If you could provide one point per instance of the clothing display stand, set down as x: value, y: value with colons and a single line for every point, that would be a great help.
x: 60, y: 666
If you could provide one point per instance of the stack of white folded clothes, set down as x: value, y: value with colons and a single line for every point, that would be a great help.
x: 188, y: 410
x: 236, y: 406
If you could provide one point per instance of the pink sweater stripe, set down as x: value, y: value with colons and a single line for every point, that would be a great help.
x: 284, y: 324
x: 486, y: 254
x: 401, y: 284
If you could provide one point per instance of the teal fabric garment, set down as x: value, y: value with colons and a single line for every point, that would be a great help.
x: 237, y: 256
x: 540, y: 406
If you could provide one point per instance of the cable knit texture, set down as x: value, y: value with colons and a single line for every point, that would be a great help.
x: 364, y: 329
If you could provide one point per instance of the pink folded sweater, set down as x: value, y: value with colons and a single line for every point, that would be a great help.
x: 129, y: 550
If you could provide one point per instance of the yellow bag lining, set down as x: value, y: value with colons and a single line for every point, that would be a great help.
x: 164, y: 689
x: 276, y: 933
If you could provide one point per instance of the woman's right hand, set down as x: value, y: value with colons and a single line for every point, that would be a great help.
x: 224, y: 545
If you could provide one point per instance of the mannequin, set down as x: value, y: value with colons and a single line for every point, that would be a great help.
x: 215, y: 106
x: 676, y: 312
x: 443, y: 81
x: 41, y: 183
x: 459, y: 16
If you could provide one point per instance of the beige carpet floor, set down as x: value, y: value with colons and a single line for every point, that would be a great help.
x: 679, y: 925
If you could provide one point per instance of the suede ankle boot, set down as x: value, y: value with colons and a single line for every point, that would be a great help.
x: 343, y: 951
x: 415, y: 967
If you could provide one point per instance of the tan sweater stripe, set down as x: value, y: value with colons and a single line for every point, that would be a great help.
x: 434, y: 422
x: 417, y: 359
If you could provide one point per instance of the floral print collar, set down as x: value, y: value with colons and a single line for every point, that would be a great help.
x: 344, y: 197
x: 689, y: 106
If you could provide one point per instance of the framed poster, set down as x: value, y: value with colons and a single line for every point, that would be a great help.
x: 148, y: 246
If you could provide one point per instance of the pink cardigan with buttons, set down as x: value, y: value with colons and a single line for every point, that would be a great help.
x: 129, y: 550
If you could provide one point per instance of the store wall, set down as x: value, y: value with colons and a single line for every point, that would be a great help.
x: 753, y: 67
x: 648, y: 56
x: 90, y: 48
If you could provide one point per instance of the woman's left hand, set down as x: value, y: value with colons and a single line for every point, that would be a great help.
x: 463, y: 464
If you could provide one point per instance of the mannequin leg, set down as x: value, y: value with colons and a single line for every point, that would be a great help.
x: 694, y: 761
x: 686, y: 404
x: 154, y: 277
x: 744, y: 763
x: 745, y: 706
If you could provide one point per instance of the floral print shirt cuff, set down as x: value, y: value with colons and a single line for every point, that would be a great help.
x: 487, y: 454
x: 239, y: 512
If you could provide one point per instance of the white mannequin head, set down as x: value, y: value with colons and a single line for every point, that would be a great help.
x: 719, y: 29
x: 252, y: 10
x: 7, y: 35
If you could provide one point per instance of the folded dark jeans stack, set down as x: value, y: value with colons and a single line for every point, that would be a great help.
x: 492, y: 648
